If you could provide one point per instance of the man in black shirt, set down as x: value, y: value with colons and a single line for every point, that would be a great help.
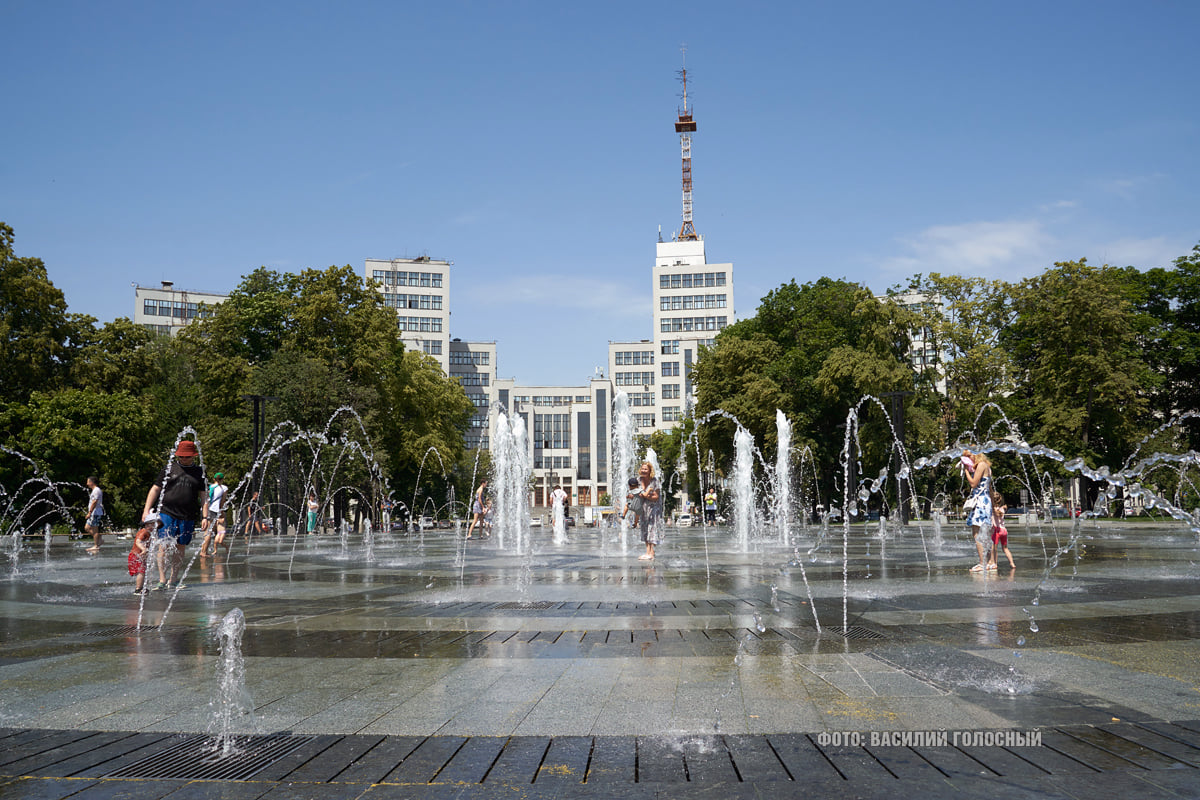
x: 181, y: 489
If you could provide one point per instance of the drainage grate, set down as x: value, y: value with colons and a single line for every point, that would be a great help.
x: 196, y: 758
x: 542, y: 605
x: 856, y: 632
x: 127, y: 630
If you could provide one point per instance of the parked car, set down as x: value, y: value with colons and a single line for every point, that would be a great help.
x: 568, y: 522
x: 535, y: 522
x: 684, y: 521
x: 427, y: 522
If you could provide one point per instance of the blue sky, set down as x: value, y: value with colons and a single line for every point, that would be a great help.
x: 532, y: 144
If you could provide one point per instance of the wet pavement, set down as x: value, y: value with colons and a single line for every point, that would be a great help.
x: 451, y: 668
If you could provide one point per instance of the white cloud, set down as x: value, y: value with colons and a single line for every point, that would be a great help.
x: 975, y: 248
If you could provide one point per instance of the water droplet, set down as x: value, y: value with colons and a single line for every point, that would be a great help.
x: 1037, y: 601
x: 1021, y: 641
x: 759, y: 625
x: 1017, y: 653
x: 1033, y: 625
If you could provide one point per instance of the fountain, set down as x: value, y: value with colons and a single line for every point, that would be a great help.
x: 232, y: 708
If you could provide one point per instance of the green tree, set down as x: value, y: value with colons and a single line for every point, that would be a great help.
x: 76, y: 433
x: 1169, y: 299
x: 811, y: 351
x: 1080, y: 374
x: 116, y: 358
x: 37, y: 336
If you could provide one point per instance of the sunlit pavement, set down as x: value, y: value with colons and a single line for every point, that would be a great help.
x: 449, y: 666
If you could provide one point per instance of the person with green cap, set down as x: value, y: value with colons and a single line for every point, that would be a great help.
x: 216, y: 515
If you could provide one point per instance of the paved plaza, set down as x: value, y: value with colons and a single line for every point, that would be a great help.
x: 446, y: 668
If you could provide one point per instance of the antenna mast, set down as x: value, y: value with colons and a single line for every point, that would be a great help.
x: 685, y: 126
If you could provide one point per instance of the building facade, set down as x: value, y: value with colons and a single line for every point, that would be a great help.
x: 473, y: 365
x: 419, y: 290
x: 167, y: 310
x: 569, y: 432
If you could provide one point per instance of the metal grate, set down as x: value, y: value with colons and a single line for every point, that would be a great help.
x: 127, y: 630
x: 855, y: 632
x: 197, y: 758
x: 541, y: 605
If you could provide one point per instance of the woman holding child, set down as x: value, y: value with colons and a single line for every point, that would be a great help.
x: 978, y: 469
x: 651, y: 515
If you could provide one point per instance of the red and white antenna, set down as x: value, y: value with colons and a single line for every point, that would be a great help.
x: 685, y: 126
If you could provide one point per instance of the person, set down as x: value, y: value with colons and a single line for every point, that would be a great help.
x: 651, y: 522
x: 978, y: 469
x: 94, y: 513
x: 710, y: 506
x: 140, y: 553
x: 558, y: 504
x: 216, y: 514
x: 182, y: 491
x: 313, y: 508
x: 254, y: 523
x: 478, y: 510
x: 633, y: 503
x: 999, y: 532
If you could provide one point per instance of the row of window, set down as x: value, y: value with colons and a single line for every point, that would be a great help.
x: 160, y: 329
x: 167, y: 308
x: 464, y: 358
x: 429, y: 302
x: 690, y: 301
x: 480, y: 400
x: 476, y: 442
x: 390, y: 277
x: 691, y: 280
x: 552, y: 462
x: 432, y: 347
x: 552, y: 399
x: 670, y: 347
x: 673, y: 324
x: 633, y: 378
x: 641, y: 399
x: 471, y: 378
x: 479, y: 422
x: 643, y: 420
x: 428, y: 324
x: 633, y: 358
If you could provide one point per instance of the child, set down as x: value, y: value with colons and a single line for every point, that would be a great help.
x: 139, y: 554
x: 999, y: 532
x: 633, y: 502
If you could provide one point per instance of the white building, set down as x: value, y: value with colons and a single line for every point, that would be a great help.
x: 569, y: 431
x: 922, y: 348
x: 419, y: 290
x: 693, y: 301
x: 168, y: 310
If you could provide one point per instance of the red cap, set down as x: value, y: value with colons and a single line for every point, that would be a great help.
x: 187, y: 448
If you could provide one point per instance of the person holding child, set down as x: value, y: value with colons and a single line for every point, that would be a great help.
x: 651, y: 518
x: 978, y: 469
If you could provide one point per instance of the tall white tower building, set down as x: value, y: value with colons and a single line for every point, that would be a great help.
x: 693, y: 300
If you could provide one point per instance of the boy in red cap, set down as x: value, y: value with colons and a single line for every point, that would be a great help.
x: 181, y: 488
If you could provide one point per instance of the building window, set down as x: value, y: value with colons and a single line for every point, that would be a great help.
x: 641, y: 399
x: 670, y: 391
x: 670, y: 369
x: 470, y: 378
x: 643, y: 420
x: 432, y: 347
x: 634, y: 379
x: 671, y: 414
